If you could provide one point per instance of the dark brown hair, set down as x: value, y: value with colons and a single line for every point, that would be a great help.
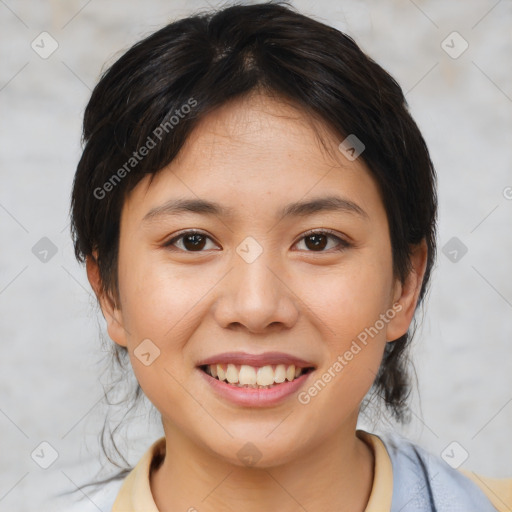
x: 204, y: 61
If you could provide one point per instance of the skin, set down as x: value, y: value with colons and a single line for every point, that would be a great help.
x: 256, y: 155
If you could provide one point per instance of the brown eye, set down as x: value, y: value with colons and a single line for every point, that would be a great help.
x: 194, y: 242
x: 191, y: 241
x: 317, y: 241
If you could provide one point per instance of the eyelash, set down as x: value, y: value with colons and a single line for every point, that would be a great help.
x: 343, y: 244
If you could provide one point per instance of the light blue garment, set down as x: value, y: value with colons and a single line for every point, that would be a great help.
x: 423, y: 482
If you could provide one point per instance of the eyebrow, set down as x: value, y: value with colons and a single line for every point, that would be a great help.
x: 175, y: 207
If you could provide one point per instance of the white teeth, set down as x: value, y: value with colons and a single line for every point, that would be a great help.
x: 247, y: 375
x: 232, y: 374
x: 280, y: 374
x: 254, y: 377
x: 265, y: 376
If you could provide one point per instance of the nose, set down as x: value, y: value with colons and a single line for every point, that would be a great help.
x: 258, y: 296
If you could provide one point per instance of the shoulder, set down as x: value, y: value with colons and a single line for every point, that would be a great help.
x: 498, y: 490
x: 425, y: 482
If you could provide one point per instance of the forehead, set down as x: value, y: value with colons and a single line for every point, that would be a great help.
x: 262, y: 127
x: 253, y: 153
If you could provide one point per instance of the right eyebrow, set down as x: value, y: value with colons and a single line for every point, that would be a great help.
x: 179, y: 206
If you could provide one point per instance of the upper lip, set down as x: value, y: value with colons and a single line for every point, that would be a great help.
x: 267, y: 358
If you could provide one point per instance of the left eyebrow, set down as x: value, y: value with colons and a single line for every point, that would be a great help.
x: 298, y: 209
x: 322, y: 204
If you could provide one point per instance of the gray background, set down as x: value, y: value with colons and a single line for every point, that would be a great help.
x: 52, y: 369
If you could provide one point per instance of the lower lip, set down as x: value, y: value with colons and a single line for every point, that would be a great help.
x: 252, y: 397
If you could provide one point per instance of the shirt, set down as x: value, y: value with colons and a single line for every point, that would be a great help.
x: 406, y: 479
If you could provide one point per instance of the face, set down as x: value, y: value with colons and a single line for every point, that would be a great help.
x: 254, y: 286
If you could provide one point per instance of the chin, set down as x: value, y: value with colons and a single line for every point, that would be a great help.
x: 257, y: 451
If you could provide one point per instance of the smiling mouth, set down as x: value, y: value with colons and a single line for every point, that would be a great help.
x: 256, y: 377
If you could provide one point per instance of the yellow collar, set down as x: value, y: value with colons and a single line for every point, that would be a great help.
x: 135, y: 493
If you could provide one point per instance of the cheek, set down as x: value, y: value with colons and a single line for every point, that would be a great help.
x: 159, y: 300
x: 160, y: 311
x: 351, y: 300
x: 349, y: 307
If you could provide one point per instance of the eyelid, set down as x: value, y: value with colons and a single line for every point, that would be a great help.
x: 344, y: 241
x: 323, y: 231
x: 181, y: 234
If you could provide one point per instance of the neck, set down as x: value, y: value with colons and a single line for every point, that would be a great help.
x: 334, y: 475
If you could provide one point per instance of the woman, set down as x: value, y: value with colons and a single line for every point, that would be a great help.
x: 257, y: 213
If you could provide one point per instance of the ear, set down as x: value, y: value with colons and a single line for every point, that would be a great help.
x: 406, y: 294
x: 111, y: 312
